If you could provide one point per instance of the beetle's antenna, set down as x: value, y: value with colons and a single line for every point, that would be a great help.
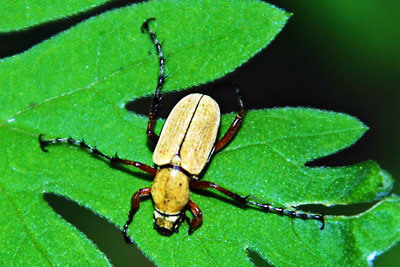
x: 155, y: 105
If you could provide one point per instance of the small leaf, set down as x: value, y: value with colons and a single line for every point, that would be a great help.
x: 19, y: 15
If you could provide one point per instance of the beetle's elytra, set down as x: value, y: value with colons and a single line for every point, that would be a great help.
x: 189, y: 132
x: 187, y: 141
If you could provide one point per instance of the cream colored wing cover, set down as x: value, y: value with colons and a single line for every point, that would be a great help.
x: 189, y: 132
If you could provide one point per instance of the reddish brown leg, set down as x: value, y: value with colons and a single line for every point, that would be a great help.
x: 205, y: 184
x: 141, y: 166
x: 155, y: 105
x: 150, y: 128
x: 94, y: 150
x: 198, y: 217
x: 266, y: 207
x: 135, y: 203
x: 235, y: 125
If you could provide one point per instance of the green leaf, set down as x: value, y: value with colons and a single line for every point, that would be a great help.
x: 289, y: 138
x: 109, y: 53
x: 77, y: 83
x: 19, y: 15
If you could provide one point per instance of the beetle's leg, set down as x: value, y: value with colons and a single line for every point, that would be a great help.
x: 234, y: 126
x: 95, y: 151
x: 267, y: 207
x: 182, y: 218
x: 135, y: 203
x: 198, y: 217
x: 155, y: 105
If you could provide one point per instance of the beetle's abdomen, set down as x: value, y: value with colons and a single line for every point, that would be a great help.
x: 189, y: 132
x: 170, y: 191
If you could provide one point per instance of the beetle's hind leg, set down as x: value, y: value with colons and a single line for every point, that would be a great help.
x: 267, y: 207
x: 291, y: 213
x: 135, y: 203
x: 156, y: 103
x: 234, y: 128
x: 95, y: 151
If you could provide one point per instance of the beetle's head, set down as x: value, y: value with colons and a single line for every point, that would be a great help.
x: 166, y: 224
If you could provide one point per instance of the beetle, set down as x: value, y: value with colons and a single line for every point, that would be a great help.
x: 187, y: 142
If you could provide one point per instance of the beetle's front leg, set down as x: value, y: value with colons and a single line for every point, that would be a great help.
x: 113, y: 160
x: 135, y: 203
x: 198, y: 217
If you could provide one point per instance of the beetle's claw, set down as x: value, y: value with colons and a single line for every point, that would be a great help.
x: 42, y: 143
x: 145, y: 25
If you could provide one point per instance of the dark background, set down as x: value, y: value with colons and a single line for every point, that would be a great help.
x: 336, y: 55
